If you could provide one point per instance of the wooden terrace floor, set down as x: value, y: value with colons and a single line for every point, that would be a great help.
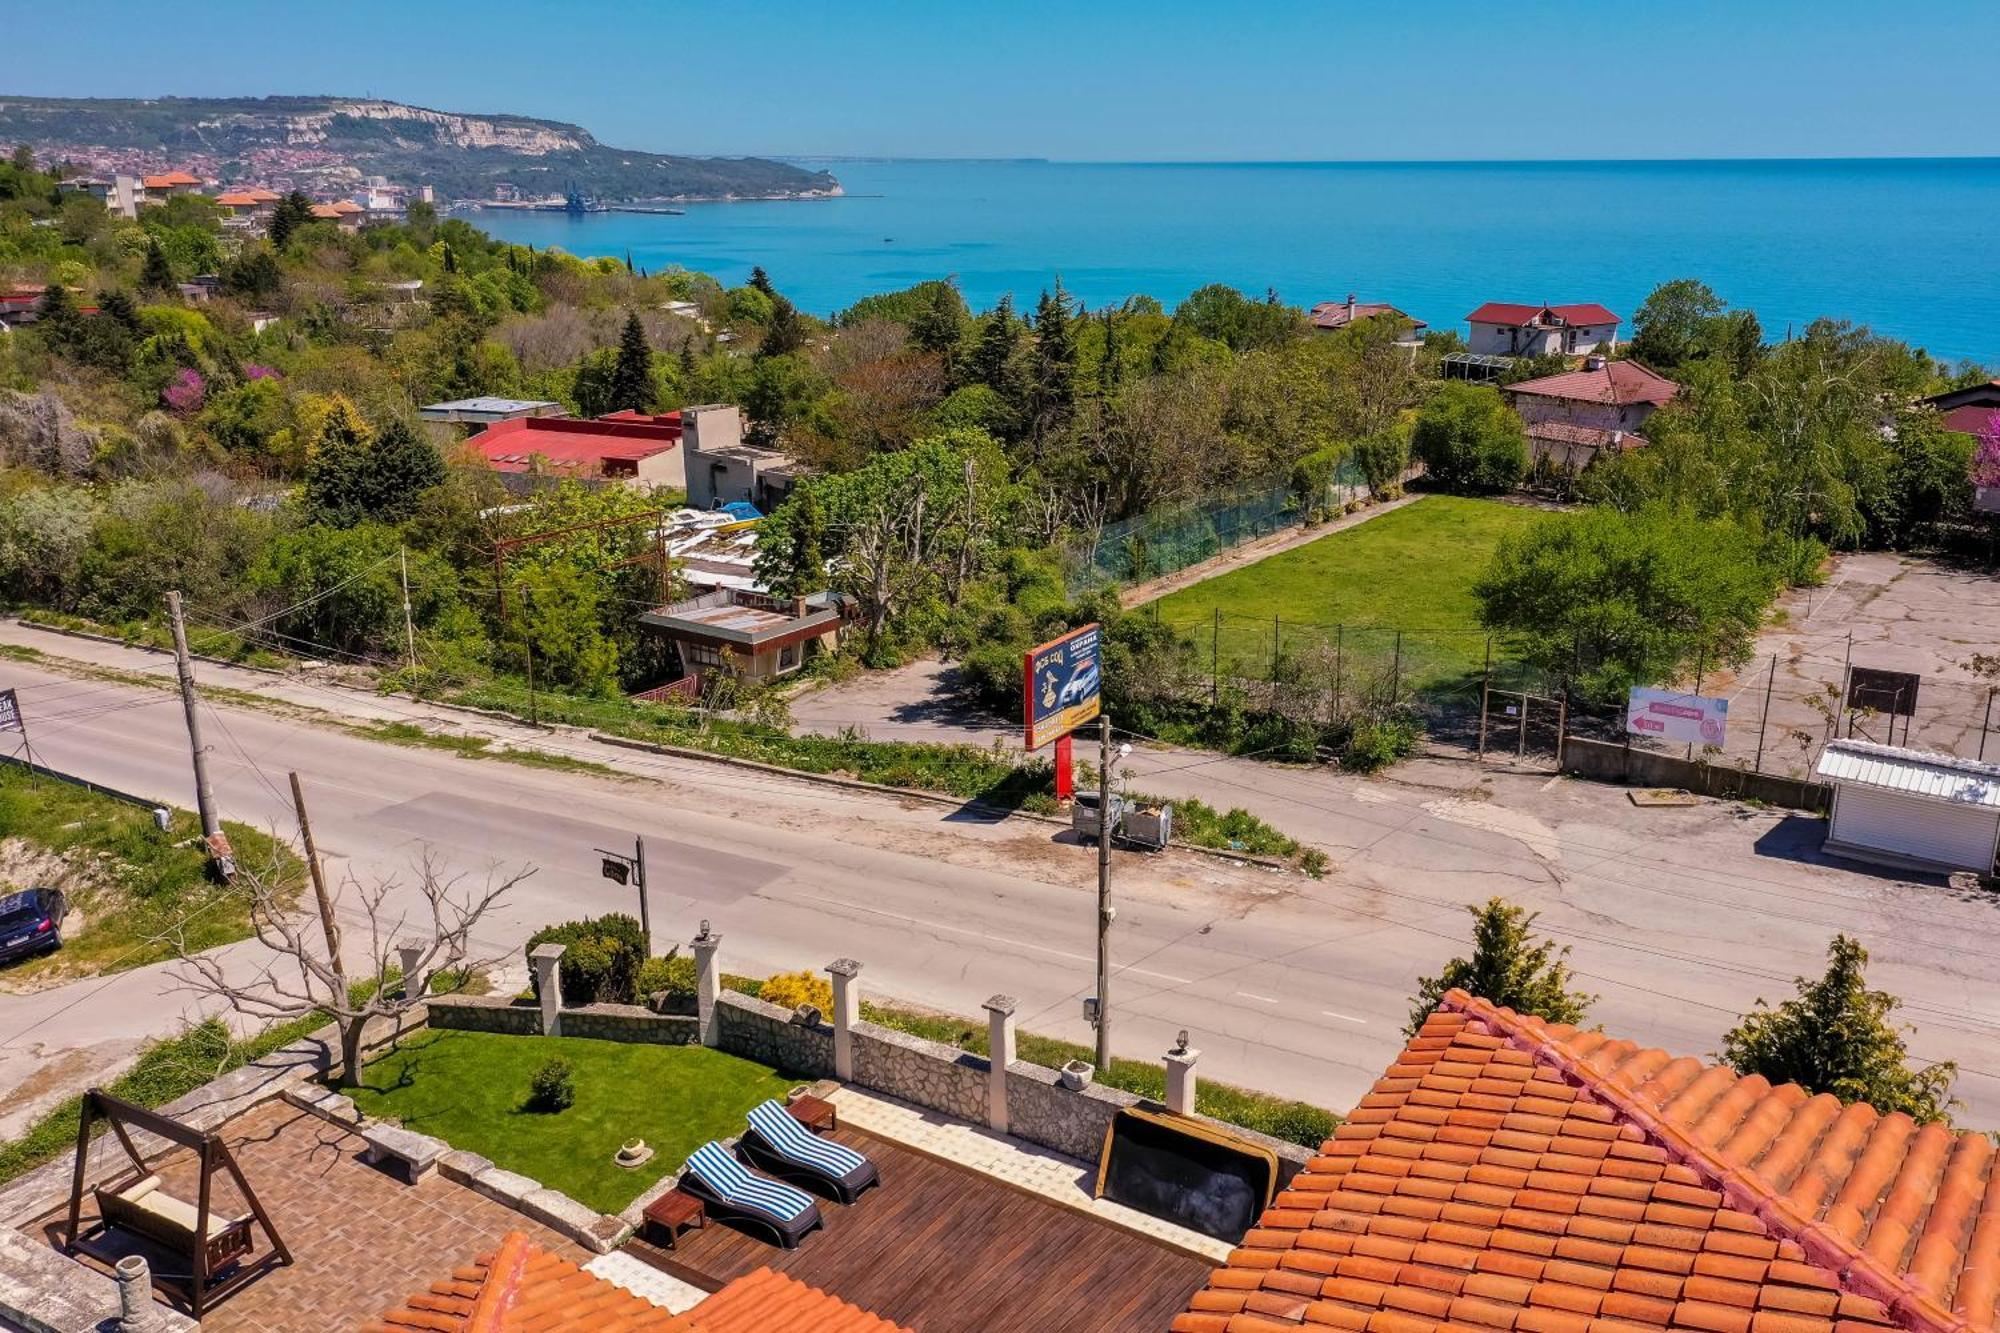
x: 940, y: 1249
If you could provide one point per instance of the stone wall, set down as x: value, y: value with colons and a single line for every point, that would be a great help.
x: 927, y: 1073
x: 630, y: 1022
x: 1041, y: 1110
x: 486, y: 1013
x: 1607, y: 761
x: 766, y: 1033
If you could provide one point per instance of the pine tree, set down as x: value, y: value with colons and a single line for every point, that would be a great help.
x: 785, y: 333
x: 792, y: 563
x: 762, y: 281
x: 939, y: 327
x: 1052, y: 371
x: 292, y: 212
x: 688, y: 363
x: 117, y: 306
x: 1509, y: 967
x: 157, y: 275
x: 632, y: 375
x: 1837, y: 1037
x: 56, y: 308
x: 1109, y: 371
x: 991, y: 359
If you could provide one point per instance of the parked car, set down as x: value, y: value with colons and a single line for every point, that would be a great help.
x: 31, y: 922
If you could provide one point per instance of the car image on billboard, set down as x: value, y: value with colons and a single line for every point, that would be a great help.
x: 1063, y: 680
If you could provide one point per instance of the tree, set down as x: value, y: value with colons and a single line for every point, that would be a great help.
x: 1508, y: 967
x: 291, y: 213
x: 1929, y: 480
x: 1382, y: 458
x: 1673, y: 321
x: 1629, y: 598
x: 353, y: 478
x: 156, y: 275
x: 938, y: 327
x: 632, y: 374
x: 1469, y: 440
x: 791, y: 555
x: 991, y: 360
x: 1836, y: 1037
x: 1228, y: 316
x: 786, y: 331
x: 253, y: 275
x: 1051, y: 388
x: 307, y: 976
x: 761, y: 280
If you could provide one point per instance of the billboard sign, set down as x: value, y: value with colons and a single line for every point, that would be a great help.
x: 1891, y: 692
x: 1063, y: 679
x: 10, y: 712
x: 1693, y: 718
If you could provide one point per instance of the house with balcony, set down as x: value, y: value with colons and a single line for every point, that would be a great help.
x: 1576, y: 417
x: 1502, y: 328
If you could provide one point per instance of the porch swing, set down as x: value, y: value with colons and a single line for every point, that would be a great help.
x: 137, y: 1204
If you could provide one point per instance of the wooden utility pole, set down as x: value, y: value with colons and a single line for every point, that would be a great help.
x: 409, y: 626
x: 645, y: 912
x: 204, y: 794
x: 328, y: 925
x: 1103, y: 894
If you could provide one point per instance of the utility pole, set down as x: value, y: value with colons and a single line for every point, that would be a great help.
x: 204, y: 794
x: 645, y: 913
x: 409, y: 626
x: 1103, y: 893
x: 327, y: 923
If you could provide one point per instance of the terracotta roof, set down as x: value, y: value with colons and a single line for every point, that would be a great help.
x: 1513, y: 1175
x: 239, y: 199
x: 1588, y: 437
x: 168, y: 179
x: 769, y: 1302
x: 1334, y: 314
x: 325, y: 211
x: 1515, y: 315
x: 1615, y: 382
x: 521, y: 1288
x: 264, y: 196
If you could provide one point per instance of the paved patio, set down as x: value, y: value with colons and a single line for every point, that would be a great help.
x: 361, y: 1239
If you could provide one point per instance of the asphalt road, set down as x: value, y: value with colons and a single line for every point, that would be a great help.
x: 1680, y: 919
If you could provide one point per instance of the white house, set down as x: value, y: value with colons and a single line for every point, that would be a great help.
x: 1500, y: 328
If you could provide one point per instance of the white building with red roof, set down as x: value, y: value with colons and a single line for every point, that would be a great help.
x: 1573, y: 417
x: 1502, y: 328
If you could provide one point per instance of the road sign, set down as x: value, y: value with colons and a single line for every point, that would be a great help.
x: 1062, y: 680
x: 1693, y: 718
x: 1879, y: 691
x: 10, y: 713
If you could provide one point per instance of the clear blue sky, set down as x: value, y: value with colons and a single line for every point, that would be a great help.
x: 1105, y: 79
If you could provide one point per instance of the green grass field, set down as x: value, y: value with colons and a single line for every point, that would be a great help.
x: 1410, y: 570
x: 469, y: 1089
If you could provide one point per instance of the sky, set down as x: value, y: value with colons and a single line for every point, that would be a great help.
x: 1117, y: 80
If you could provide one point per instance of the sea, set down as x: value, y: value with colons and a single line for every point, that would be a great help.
x: 1908, y: 247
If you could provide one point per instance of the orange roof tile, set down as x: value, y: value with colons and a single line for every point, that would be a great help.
x: 238, y: 199
x: 168, y: 179
x: 326, y: 211
x: 1509, y: 1174
x: 521, y: 1288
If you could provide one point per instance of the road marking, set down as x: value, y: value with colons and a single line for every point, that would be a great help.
x: 1345, y: 1018
x: 1552, y: 782
x: 922, y: 924
x: 1261, y: 999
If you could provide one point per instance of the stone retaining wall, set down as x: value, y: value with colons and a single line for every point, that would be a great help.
x: 630, y: 1022
x: 766, y: 1033
x: 1610, y: 762
x: 928, y: 1073
x: 485, y: 1013
x: 1041, y: 1110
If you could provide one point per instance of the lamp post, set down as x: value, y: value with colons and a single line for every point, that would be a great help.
x: 622, y: 869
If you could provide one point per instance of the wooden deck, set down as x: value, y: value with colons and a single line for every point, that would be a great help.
x: 940, y: 1249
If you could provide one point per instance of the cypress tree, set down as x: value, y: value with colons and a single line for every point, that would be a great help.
x: 292, y: 212
x: 632, y: 375
x: 786, y: 331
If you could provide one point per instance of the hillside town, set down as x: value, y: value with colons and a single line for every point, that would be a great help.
x: 548, y: 791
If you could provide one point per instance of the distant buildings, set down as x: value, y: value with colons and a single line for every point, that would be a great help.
x: 484, y: 412
x: 119, y: 194
x: 1332, y: 316
x: 631, y: 450
x: 343, y: 213
x: 1503, y: 329
x: 167, y: 185
x: 1573, y: 418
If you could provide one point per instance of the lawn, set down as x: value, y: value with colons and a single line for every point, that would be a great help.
x: 1411, y: 569
x: 469, y: 1089
x: 128, y: 883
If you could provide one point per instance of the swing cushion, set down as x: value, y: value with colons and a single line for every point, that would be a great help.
x: 146, y: 1209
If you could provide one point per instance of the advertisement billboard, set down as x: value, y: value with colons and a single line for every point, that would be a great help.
x: 1693, y: 718
x: 10, y: 712
x: 1062, y: 680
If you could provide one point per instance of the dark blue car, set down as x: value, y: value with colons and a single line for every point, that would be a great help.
x: 31, y: 922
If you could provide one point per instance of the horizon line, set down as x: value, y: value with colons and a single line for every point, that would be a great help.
x: 1044, y: 160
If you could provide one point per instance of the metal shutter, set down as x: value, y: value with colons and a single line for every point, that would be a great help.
x: 1924, y: 830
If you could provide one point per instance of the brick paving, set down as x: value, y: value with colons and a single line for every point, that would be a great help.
x: 361, y: 1239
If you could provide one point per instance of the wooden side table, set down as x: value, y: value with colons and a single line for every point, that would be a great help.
x: 674, y: 1212
x: 815, y: 1114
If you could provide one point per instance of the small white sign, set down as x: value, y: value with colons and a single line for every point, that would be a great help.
x: 1693, y: 718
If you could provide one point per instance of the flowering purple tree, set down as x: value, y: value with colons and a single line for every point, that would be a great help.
x: 1986, y: 456
x: 253, y: 371
x: 186, y: 394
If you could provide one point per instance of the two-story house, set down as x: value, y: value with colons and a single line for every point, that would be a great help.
x: 1574, y: 417
x: 1501, y: 328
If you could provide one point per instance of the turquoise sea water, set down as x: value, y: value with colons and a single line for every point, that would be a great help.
x: 1909, y: 247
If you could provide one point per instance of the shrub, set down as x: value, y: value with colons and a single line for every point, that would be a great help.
x: 553, y: 1086
x: 1376, y: 741
x: 1469, y: 439
x: 672, y: 977
x: 789, y: 990
x: 601, y: 958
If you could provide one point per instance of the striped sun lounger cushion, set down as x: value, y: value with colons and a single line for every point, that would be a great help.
x: 726, y: 1176
x: 795, y: 1141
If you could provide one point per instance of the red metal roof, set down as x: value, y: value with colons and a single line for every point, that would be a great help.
x: 1616, y: 382
x: 581, y: 448
x: 1517, y: 316
x: 1972, y: 418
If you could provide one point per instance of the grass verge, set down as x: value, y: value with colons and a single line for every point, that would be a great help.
x: 470, y: 1089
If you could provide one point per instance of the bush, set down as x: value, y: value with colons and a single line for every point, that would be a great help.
x: 789, y: 990
x: 672, y: 977
x: 1469, y: 439
x: 601, y: 958
x: 1377, y: 740
x: 553, y: 1087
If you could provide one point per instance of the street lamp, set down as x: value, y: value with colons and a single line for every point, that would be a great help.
x: 622, y: 869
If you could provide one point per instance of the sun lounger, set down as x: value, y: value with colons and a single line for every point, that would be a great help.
x: 779, y: 1144
x: 731, y: 1192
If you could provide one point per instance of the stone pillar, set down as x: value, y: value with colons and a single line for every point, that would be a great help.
x: 1000, y: 1054
x: 1180, y: 1077
x: 708, y: 982
x: 411, y: 952
x: 136, y: 1311
x: 548, y: 985
x: 846, y: 1013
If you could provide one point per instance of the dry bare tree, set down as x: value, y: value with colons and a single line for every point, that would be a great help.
x: 306, y: 971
